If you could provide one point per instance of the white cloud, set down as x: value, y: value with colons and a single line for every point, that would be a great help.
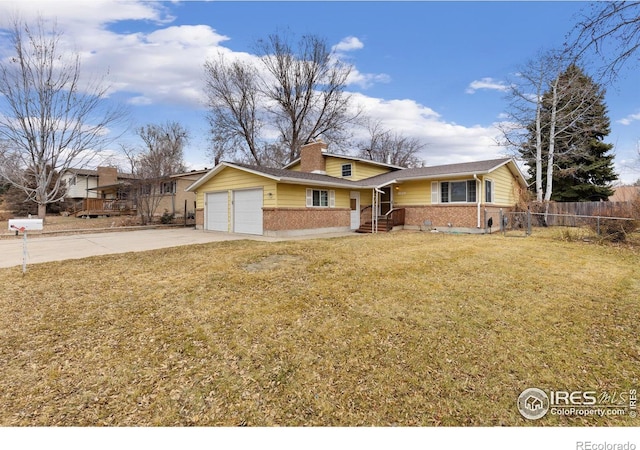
x: 165, y: 66
x: 348, y: 44
x: 629, y: 119
x: 446, y: 142
x: 486, y: 83
x: 366, y: 80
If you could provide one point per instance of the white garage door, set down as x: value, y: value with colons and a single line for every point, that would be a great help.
x: 247, y: 211
x: 217, y: 212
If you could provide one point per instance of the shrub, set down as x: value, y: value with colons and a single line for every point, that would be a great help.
x: 617, y: 230
x: 167, y: 217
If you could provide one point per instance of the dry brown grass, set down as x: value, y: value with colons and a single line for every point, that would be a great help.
x: 393, y: 329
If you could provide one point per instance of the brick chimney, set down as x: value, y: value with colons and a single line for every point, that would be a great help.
x: 107, y: 176
x: 311, y: 158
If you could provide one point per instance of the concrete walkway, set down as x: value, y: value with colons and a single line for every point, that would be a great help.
x: 58, y: 248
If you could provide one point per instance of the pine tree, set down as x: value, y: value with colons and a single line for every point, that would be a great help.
x: 583, y: 167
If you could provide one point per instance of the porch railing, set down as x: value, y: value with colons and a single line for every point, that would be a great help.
x: 101, y: 204
x: 395, y: 217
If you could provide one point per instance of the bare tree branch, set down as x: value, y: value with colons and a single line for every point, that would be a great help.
x: 386, y: 146
x: 51, y: 119
x: 612, y: 31
x: 298, y: 93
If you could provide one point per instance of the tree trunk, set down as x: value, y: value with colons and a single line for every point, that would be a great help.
x: 552, y: 140
x: 42, y: 211
x: 539, y: 191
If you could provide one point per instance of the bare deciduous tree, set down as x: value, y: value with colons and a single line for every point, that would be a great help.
x: 525, y: 108
x: 161, y: 155
x: 234, y: 107
x: 546, y: 103
x: 51, y: 119
x: 384, y: 145
x: 612, y: 30
x: 298, y: 93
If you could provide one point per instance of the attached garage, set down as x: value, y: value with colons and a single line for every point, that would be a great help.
x: 217, y: 211
x: 247, y: 211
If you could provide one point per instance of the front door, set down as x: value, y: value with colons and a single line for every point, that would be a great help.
x: 385, y: 200
x: 355, y: 209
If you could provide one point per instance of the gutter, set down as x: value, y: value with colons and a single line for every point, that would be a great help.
x: 479, y: 195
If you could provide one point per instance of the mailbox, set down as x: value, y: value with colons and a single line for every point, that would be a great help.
x: 25, y: 224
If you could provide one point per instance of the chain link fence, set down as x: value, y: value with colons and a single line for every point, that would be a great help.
x: 523, y: 223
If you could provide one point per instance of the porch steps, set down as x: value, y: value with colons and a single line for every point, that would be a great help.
x: 383, y: 226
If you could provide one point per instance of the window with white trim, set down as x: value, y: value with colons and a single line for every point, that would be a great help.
x: 458, y: 191
x: 488, y: 191
x: 321, y: 198
x: 346, y: 170
x: 168, y: 187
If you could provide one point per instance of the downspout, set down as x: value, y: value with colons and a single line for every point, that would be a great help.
x: 479, y: 195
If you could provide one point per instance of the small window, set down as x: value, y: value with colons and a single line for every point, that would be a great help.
x: 168, y: 187
x: 321, y: 198
x: 72, y: 181
x: 488, y: 191
x: 346, y: 170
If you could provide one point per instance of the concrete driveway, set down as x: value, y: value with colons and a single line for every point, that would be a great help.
x: 43, y: 249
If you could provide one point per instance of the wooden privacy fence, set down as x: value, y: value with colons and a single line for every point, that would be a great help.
x: 566, y: 213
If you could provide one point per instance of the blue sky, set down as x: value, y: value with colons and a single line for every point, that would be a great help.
x: 431, y: 70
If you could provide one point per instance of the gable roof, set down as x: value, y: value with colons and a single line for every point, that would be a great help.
x: 280, y: 175
x: 419, y: 173
x: 94, y: 173
x: 448, y: 170
x: 350, y: 158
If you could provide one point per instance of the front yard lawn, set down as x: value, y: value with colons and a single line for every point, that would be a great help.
x: 390, y: 329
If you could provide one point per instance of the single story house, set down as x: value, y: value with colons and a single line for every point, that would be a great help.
x: 169, y: 194
x: 325, y: 192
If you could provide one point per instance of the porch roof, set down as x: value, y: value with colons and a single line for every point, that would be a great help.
x: 445, y: 171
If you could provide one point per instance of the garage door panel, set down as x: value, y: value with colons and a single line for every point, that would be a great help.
x: 217, y: 210
x: 247, y: 211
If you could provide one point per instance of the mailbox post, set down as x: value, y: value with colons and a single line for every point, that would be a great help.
x: 24, y: 225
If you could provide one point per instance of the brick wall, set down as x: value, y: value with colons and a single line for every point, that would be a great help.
x: 199, y: 218
x: 459, y: 216
x: 107, y: 176
x: 311, y: 158
x: 279, y: 219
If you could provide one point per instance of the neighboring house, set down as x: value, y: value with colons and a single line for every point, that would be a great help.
x: 169, y: 194
x: 325, y: 192
x: 106, y: 191
x: 82, y: 183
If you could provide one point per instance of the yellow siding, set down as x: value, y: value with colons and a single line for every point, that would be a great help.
x: 419, y: 192
x: 295, y: 196
x: 291, y: 196
x: 504, y: 185
x: 359, y: 169
x: 232, y: 179
x: 412, y: 193
x: 295, y: 167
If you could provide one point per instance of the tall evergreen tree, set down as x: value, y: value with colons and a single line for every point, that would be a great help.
x: 583, y: 165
